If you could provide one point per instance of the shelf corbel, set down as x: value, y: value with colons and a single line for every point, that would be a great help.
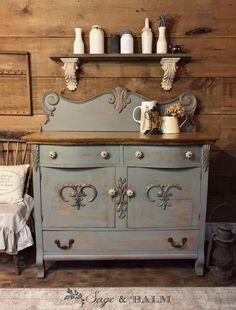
x: 70, y: 66
x: 169, y: 66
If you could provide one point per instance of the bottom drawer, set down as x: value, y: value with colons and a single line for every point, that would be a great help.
x: 111, y: 242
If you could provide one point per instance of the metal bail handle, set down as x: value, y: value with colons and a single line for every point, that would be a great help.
x: 64, y: 247
x: 176, y: 245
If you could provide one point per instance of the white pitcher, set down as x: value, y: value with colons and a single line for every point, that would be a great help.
x: 144, y: 121
x: 170, y: 124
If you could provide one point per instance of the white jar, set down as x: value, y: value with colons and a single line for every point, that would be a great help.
x: 78, y: 43
x: 126, y: 42
x: 96, y: 40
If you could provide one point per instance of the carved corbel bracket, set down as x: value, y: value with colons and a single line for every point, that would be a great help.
x: 169, y: 66
x: 70, y: 65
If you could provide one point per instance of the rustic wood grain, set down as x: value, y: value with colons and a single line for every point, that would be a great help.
x: 21, y: 123
x: 73, y: 138
x: 214, y: 95
x: 15, y: 86
x: 59, y: 18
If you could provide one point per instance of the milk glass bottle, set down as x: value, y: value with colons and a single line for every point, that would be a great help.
x: 96, y: 40
x: 126, y: 42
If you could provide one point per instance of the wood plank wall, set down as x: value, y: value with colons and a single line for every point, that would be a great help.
x: 207, y: 29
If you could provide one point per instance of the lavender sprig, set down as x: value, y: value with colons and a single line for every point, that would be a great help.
x: 163, y: 20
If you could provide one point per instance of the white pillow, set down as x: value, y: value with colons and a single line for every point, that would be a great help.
x: 12, y: 183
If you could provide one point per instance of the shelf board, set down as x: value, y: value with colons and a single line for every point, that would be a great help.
x: 72, y: 62
x: 121, y: 57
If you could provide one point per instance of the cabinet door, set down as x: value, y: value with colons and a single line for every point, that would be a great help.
x: 77, y: 197
x: 164, y: 197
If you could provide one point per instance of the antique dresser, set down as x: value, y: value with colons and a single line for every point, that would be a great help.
x: 105, y: 191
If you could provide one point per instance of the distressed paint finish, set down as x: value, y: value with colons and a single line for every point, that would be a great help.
x: 122, y: 221
x: 83, y: 115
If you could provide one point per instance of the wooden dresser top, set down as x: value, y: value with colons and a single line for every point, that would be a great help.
x: 89, y: 138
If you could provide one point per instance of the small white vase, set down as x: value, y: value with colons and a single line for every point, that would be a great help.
x: 78, y: 43
x: 161, y: 42
x: 96, y: 40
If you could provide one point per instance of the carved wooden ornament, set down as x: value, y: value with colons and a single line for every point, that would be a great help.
x: 70, y: 66
x: 169, y: 66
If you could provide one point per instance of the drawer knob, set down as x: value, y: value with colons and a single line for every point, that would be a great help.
x: 130, y: 192
x: 139, y: 154
x: 189, y: 154
x: 112, y: 192
x: 53, y: 155
x: 176, y: 245
x: 64, y: 247
x: 104, y: 154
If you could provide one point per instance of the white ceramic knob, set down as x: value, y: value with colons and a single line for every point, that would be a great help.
x: 139, y: 154
x: 112, y: 192
x: 189, y: 154
x: 53, y: 155
x: 104, y: 154
x: 130, y: 193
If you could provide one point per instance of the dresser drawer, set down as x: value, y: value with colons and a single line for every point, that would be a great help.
x: 163, y: 156
x: 119, y: 242
x: 73, y: 156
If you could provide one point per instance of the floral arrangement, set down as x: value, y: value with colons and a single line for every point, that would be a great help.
x: 175, y: 109
x: 163, y: 20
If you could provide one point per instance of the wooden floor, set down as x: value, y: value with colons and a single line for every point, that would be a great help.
x: 169, y: 273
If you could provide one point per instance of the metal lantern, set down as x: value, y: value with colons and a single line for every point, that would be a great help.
x: 220, y: 254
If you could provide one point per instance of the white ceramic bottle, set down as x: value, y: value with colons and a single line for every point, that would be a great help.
x: 96, y: 40
x: 78, y: 43
x: 146, y: 38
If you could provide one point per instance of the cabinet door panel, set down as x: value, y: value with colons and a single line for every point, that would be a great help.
x: 77, y: 197
x: 164, y: 197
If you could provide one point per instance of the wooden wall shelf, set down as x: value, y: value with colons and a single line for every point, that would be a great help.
x: 168, y: 63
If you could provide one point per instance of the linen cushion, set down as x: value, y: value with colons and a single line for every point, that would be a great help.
x: 12, y: 182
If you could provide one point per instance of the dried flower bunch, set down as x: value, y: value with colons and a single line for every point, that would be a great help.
x: 163, y: 20
x: 175, y: 109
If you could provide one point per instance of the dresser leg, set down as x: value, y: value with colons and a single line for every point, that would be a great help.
x: 199, y: 267
x: 41, y: 270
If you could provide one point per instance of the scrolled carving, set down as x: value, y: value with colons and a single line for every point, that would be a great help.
x: 35, y: 157
x: 70, y: 65
x: 75, y: 194
x: 189, y: 102
x: 120, y: 98
x: 50, y: 100
x: 122, y: 199
x: 163, y: 194
x: 169, y: 66
x: 205, y: 156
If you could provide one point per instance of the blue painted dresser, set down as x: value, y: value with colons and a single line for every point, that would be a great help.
x: 105, y: 191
